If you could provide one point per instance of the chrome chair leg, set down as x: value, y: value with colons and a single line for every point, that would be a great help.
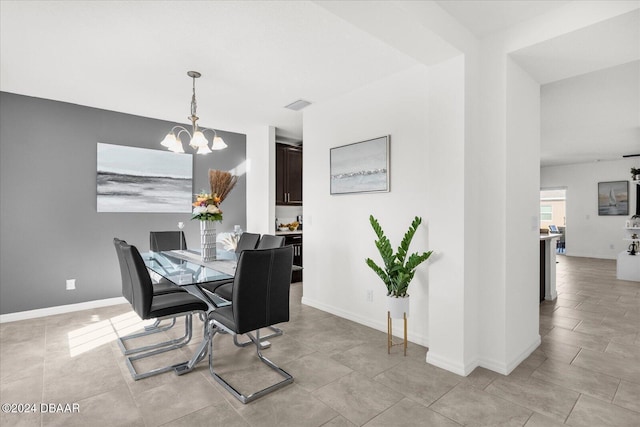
x: 288, y: 379
x: 199, y: 355
x: 140, y: 375
x: 126, y: 351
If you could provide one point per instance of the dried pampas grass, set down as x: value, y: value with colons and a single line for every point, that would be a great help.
x: 222, y: 183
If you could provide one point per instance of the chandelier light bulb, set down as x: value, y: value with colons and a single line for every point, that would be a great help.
x: 203, y: 149
x: 198, y: 140
x: 169, y: 140
x: 177, y: 147
x: 218, y: 143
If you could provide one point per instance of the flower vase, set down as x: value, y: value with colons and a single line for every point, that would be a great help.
x: 208, y: 240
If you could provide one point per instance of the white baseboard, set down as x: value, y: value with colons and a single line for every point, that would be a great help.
x: 493, y: 365
x: 524, y: 354
x: 49, y: 311
x: 378, y: 325
x: 445, y: 363
x: 506, y: 368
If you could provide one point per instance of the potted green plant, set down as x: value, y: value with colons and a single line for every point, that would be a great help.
x: 635, y: 174
x: 399, y: 267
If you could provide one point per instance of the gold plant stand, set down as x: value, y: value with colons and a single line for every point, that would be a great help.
x: 390, y: 342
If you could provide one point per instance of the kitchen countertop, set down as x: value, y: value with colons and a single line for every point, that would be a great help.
x: 287, y: 233
x: 549, y: 236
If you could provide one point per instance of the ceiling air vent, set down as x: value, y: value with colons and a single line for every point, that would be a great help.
x: 298, y: 105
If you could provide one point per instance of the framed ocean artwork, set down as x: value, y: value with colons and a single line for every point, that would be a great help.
x: 361, y: 167
x: 132, y: 179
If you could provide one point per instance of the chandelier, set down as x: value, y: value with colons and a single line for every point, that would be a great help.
x: 196, y: 137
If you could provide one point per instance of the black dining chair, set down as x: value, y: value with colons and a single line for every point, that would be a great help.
x: 260, y: 299
x: 167, y: 241
x: 164, y: 287
x: 149, y: 306
x: 269, y: 241
x: 127, y: 291
x: 246, y: 241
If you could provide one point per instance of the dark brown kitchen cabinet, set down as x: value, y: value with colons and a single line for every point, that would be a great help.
x: 288, y: 175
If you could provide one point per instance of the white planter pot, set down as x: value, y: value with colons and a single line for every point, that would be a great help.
x: 398, y: 306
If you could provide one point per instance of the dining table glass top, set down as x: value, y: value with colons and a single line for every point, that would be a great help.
x: 182, y: 270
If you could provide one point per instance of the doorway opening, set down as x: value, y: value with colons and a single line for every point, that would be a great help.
x: 553, y: 214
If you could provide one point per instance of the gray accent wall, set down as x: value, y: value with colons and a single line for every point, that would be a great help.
x: 49, y: 228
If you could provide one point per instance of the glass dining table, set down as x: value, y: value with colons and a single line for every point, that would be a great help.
x: 185, y: 268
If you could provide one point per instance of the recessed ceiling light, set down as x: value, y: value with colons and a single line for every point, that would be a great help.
x: 298, y: 105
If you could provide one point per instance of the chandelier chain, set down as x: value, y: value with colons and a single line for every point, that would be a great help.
x: 194, y: 105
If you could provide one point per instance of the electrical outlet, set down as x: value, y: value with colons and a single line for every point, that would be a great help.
x: 370, y: 295
x: 71, y: 284
x: 611, y: 246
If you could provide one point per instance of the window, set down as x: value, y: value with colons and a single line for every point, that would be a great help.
x: 546, y: 213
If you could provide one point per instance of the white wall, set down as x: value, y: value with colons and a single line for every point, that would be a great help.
x: 507, y: 111
x: 587, y: 234
x: 470, y: 145
x: 523, y: 207
x: 499, y: 163
x: 261, y: 185
x: 450, y: 300
x: 338, y: 236
x: 508, y: 173
x: 491, y: 172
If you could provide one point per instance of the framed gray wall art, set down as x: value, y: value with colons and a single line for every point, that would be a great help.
x: 361, y: 167
x: 613, y: 198
x: 132, y: 179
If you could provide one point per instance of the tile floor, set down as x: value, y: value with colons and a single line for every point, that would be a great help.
x: 585, y: 373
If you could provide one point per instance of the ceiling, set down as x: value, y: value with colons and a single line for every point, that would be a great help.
x: 487, y: 17
x: 606, y: 44
x: 591, y: 117
x: 255, y: 56
x: 590, y: 93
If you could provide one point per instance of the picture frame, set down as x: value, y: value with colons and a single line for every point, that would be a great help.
x: 613, y: 198
x: 133, y: 179
x: 360, y: 167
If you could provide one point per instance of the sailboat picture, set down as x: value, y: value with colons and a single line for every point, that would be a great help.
x: 613, y: 198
